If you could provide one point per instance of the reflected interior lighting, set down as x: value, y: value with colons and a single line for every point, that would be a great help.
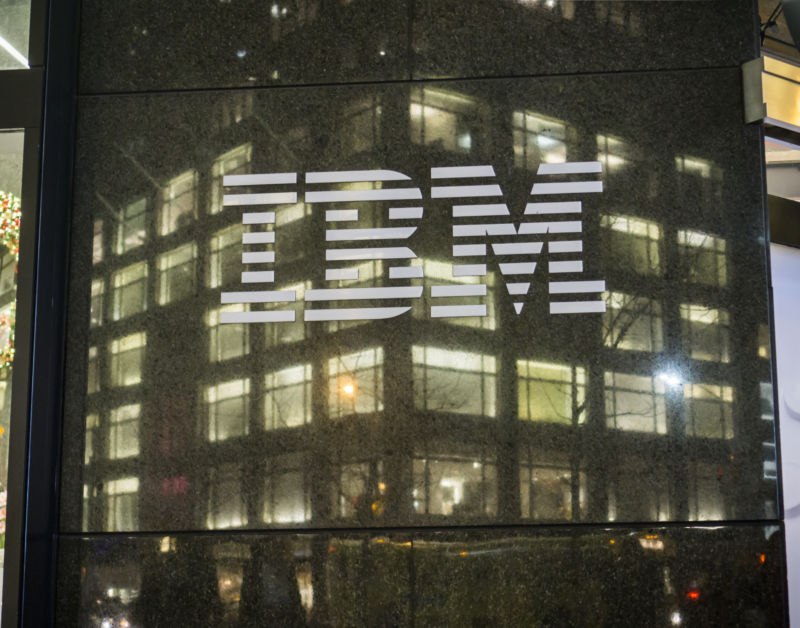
x: 693, y: 594
x: 13, y: 52
x: 762, y: 558
x: 349, y: 390
x: 612, y: 541
x: 671, y: 378
x: 463, y: 553
x: 676, y: 618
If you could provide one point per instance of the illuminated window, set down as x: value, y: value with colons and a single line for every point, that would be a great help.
x: 127, y: 355
x: 291, y: 331
x: 122, y: 513
x: 441, y: 118
x: 130, y: 290
x: 287, y: 398
x: 227, y: 340
x: 704, y: 257
x: 709, y: 410
x: 178, y: 203
x: 546, y: 489
x: 226, y: 504
x: 370, y: 274
x: 638, y: 490
x: 706, y: 499
x: 441, y: 273
x: 228, y: 409
x: 123, y: 434
x: 293, y: 238
x: 461, y: 487
x: 90, y: 438
x: 695, y: 166
x: 764, y: 350
x: 8, y: 272
x: 705, y: 331
x: 355, y: 383
x: 226, y: 256
x: 454, y: 381
x: 538, y: 139
x: 632, y: 323
x: 612, y: 152
x: 634, y: 243
x: 767, y: 401
x: 236, y: 161
x: 97, y: 242
x: 287, y: 488
x: 131, y: 226
x: 176, y: 274
x: 635, y: 403
x: 361, y: 125
x: 96, y: 308
x: 359, y: 490
x: 554, y: 393
x: 93, y: 371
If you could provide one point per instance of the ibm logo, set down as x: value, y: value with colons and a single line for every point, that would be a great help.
x: 482, y: 227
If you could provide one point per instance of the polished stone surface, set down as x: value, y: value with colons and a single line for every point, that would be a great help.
x: 583, y: 577
x: 151, y: 45
x: 656, y: 410
x: 244, y: 43
x: 452, y: 38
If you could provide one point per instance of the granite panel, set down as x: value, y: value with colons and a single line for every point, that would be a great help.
x: 579, y: 577
x: 453, y: 38
x: 150, y: 45
x: 658, y: 409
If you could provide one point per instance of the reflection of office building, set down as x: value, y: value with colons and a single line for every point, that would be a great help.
x: 438, y: 332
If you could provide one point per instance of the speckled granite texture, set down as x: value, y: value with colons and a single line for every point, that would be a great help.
x: 419, y: 470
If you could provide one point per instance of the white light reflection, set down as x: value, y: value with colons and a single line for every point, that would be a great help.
x: 671, y: 378
x: 676, y: 618
x: 13, y: 52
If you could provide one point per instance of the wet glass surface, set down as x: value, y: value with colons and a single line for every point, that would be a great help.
x: 184, y: 412
x: 673, y: 576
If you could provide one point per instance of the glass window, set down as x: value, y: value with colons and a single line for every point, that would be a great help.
x: 454, y: 381
x: 638, y: 490
x: 370, y: 274
x: 546, y: 490
x: 236, y: 161
x: 632, y: 323
x: 228, y: 409
x: 551, y: 392
x: 538, y: 139
x: 355, y: 383
x: 90, y: 442
x: 96, y: 310
x: 227, y: 340
x: 465, y: 487
x: 709, y: 410
x: 441, y: 274
x: 93, y: 371
x: 226, y: 256
x: 359, y: 490
x: 130, y: 290
x: 706, y: 499
x: 613, y: 153
x: 178, y: 203
x: 705, y: 331
x: 226, y: 504
x: 14, y: 29
x: 635, y: 403
x: 442, y: 118
x: 287, y: 397
x: 704, y: 257
x: 123, y: 435
x: 127, y: 355
x: 287, y: 496
x: 176, y: 274
x: 97, y: 242
x: 634, y: 242
x: 132, y: 226
x: 286, y: 332
x: 767, y: 401
x: 122, y: 512
x: 293, y: 237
